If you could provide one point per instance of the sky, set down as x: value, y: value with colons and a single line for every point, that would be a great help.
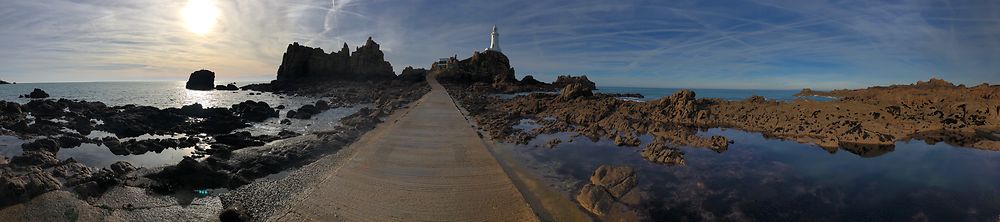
x: 753, y: 44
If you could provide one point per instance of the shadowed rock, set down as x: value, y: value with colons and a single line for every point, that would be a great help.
x: 201, y: 80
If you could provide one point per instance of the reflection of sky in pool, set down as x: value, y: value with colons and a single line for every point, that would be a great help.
x: 766, y: 180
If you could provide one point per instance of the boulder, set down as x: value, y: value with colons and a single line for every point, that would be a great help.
x: 37, y: 94
x: 609, y: 195
x: 575, y: 90
x: 122, y: 168
x: 254, y: 111
x: 201, y: 80
x: 662, y: 154
x: 19, y: 188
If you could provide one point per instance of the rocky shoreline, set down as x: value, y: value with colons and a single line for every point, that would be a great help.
x: 866, y: 122
x: 225, y: 156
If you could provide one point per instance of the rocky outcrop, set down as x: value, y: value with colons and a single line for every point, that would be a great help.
x: 413, y: 75
x: 610, y: 194
x: 303, y: 63
x: 563, y: 81
x: 201, y: 80
x: 254, y: 111
x: 575, y: 90
x: 227, y: 87
x: 531, y: 81
x: 36, y: 94
x: 490, y: 67
x: 4, y: 82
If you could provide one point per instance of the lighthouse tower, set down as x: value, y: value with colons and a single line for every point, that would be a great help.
x: 494, y: 40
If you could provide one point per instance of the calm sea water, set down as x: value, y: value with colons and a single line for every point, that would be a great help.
x: 160, y: 95
x: 760, y: 179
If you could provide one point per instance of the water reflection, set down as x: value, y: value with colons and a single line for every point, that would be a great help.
x: 761, y: 179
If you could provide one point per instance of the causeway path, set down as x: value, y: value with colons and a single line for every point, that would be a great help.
x: 425, y: 164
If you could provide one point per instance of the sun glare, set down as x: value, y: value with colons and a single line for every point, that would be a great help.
x: 200, y: 16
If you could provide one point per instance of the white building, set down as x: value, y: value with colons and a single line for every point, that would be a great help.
x: 494, y: 40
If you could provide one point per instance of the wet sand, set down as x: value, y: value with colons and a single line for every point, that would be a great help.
x: 426, y: 164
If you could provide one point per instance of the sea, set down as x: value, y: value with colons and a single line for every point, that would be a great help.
x: 163, y: 94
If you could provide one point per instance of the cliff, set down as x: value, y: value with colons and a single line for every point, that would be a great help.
x: 305, y: 63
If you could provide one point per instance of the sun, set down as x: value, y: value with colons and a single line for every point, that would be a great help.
x: 200, y: 16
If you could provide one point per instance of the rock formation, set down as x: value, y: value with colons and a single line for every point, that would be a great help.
x: 413, y: 75
x: 610, y: 194
x: 564, y: 80
x: 491, y: 67
x: 228, y: 87
x: 575, y: 90
x: 201, y: 80
x: 36, y: 94
x: 303, y: 63
x: 4, y: 82
x: 530, y: 80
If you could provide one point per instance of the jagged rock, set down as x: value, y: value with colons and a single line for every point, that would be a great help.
x: 19, y: 188
x: 35, y: 158
x: 10, y: 112
x: 254, y: 111
x: 563, y: 81
x: 660, y: 153
x: 413, y: 75
x: 201, y: 80
x: 530, y: 80
x: 575, y: 90
x: 306, y: 63
x: 489, y: 67
x: 37, y: 94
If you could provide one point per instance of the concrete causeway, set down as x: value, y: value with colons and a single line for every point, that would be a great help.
x: 427, y: 164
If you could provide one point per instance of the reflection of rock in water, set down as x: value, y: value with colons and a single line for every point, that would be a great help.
x: 611, y: 194
x: 867, y: 150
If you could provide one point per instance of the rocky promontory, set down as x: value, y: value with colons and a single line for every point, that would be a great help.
x: 303, y: 63
x: 4, y: 82
x: 491, y: 71
x: 201, y: 80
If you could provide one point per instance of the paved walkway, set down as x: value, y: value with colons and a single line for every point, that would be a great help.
x: 426, y: 164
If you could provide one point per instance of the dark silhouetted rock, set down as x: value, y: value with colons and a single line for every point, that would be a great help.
x: 4, y: 82
x: 413, y: 75
x: 201, y: 80
x: 305, y: 63
x: 37, y: 94
x: 530, y: 80
x: 229, y: 87
x: 254, y: 111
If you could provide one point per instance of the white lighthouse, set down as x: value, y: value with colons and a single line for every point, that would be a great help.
x: 494, y: 40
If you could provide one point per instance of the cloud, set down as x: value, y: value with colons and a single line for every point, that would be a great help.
x: 695, y: 44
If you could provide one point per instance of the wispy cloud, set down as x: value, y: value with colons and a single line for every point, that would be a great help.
x: 716, y: 44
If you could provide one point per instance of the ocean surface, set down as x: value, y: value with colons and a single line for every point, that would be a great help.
x: 161, y: 95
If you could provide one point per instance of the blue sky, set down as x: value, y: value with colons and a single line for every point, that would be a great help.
x: 758, y: 44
